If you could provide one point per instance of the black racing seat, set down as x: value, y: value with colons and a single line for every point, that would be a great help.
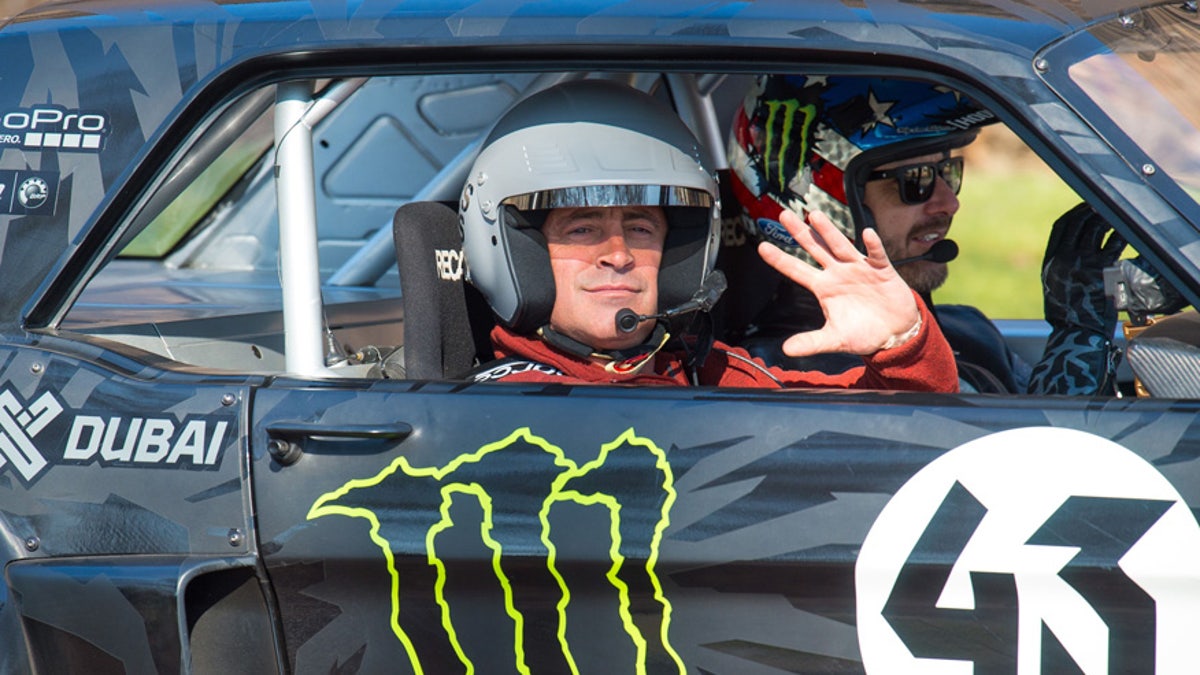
x: 446, y: 321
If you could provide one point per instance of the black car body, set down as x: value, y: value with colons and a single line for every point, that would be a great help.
x: 189, y: 482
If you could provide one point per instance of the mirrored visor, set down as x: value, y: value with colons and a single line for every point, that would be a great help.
x: 610, y: 195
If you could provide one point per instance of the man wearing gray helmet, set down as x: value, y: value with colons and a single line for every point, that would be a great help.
x: 590, y: 219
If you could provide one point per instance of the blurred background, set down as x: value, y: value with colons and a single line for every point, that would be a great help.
x: 1009, y: 200
x: 9, y: 8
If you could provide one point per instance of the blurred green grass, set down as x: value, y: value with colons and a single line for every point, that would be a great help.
x: 1001, y: 229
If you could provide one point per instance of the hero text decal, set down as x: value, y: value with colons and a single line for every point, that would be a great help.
x: 1037, y: 550
x: 518, y: 482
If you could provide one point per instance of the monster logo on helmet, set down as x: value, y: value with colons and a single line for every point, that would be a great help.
x: 807, y: 143
x: 579, y: 144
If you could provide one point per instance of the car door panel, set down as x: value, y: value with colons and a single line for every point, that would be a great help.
x: 560, y: 529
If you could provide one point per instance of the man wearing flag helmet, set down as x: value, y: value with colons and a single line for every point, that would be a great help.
x: 878, y: 154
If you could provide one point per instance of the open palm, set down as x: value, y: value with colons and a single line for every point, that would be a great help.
x: 867, y: 305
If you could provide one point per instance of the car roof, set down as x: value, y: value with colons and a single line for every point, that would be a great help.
x: 245, y: 27
x: 149, y: 72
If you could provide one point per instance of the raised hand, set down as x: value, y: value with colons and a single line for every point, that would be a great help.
x: 867, y: 306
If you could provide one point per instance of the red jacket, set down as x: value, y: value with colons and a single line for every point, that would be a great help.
x: 924, y: 363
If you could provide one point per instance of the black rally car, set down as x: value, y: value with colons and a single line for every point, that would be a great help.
x: 220, y: 453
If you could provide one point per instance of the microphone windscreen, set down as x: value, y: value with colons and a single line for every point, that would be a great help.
x: 944, y: 251
x: 627, y: 320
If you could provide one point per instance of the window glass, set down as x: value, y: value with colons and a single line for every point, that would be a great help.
x: 201, y: 284
x: 1001, y: 239
x: 198, y: 199
x: 1147, y: 73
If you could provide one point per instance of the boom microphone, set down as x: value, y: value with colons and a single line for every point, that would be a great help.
x: 942, y: 252
x: 703, y: 300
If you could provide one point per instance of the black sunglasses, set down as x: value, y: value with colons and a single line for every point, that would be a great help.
x: 916, y: 181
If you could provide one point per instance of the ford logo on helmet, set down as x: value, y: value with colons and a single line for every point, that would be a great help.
x: 774, y: 231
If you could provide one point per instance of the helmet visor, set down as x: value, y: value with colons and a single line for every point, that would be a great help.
x: 610, y: 195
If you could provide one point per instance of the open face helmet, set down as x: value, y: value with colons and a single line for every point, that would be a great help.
x: 578, y: 144
x: 810, y: 143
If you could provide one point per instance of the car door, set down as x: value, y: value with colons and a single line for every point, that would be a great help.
x: 442, y: 527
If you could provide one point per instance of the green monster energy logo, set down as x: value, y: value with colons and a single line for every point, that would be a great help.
x: 517, y: 482
x: 780, y: 154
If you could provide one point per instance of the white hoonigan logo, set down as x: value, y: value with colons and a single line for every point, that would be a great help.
x: 18, y: 426
x: 1039, y: 550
